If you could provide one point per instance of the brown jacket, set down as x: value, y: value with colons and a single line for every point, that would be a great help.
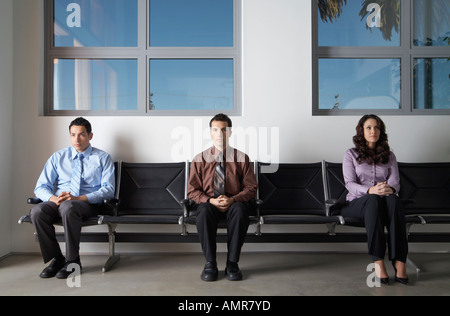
x: 240, y: 180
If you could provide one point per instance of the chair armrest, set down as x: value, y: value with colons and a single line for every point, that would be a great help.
x: 258, y: 204
x: 27, y: 218
x: 408, y: 201
x: 24, y: 219
x: 329, y: 204
x: 186, y: 204
x: 112, y: 202
x: 109, y: 207
x: 34, y: 201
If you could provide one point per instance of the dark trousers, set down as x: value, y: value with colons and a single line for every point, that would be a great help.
x: 378, y: 212
x: 237, y: 222
x: 72, y: 214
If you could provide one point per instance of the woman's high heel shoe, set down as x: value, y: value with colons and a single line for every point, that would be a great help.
x: 403, y: 281
x: 384, y: 281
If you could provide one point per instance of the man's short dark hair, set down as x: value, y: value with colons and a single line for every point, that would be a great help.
x: 81, y: 122
x: 221, y: 118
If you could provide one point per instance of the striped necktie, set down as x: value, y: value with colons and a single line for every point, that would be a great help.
x: 75, y: 180
x: 219, y: 177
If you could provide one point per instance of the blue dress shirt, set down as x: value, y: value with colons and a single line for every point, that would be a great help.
x: 98, y: 180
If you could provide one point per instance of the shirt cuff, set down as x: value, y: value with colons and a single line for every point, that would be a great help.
x: 365, y: 190
x: 44, y: 197
x: 239, y: 198
x: 204, y: 199
x: 92, y: 198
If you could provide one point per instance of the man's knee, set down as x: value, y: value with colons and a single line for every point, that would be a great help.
x: 68, y: 209
x: 205, y: 209
x: 41, y: 211
x: 36, y: 213
x: 239, y: 209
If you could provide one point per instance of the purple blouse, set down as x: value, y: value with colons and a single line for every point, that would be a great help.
x: 359, y: 178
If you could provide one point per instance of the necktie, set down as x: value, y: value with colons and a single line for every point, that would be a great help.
x: 219, y: 177
x: 75, y: 180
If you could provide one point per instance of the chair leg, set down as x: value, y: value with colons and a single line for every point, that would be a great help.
x: 258, y: 229
x: 412, y: 265
x: 409, y: 262
x: 113, y: 258
x: 184, y: 231
x: 332, y: 229
x: 408, y: 228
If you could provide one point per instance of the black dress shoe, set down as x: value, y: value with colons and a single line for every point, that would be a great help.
x: 210, y: 272
x: 68, y: 270
x: 232, y: 271
x: 52, y: 269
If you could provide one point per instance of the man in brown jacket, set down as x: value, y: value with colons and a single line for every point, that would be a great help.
x: 222, y: 183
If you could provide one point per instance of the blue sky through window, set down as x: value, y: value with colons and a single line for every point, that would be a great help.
x: 431, y: 83
x: 350, y: 30
x: 192, y: 84
x: 359, y: 84
x: 95, y: 84
x: 353, y: 83
x: 193, y: 23
x: 100, y: 23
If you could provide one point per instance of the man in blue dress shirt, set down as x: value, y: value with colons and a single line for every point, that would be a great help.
x: 74, y: 183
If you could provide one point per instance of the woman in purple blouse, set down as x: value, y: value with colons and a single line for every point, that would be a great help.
x: 372, y: 180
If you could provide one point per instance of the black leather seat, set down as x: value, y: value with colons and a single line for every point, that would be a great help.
x: 294, y: 195
x: 148, y: 193
x: 425, y: 188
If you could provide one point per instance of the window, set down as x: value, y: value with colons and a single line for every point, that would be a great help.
x: 192, y: 84
x: 381, y: 56
x: 142, y: 57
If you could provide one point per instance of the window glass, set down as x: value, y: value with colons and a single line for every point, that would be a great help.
x: 359, y: 23
x: 95, y: 84
x: 99, y: 23
x: 431, y: 22
x: 191, y: 84
x: 432, y: 83
x: 193, y: 23
x: 359, y: 84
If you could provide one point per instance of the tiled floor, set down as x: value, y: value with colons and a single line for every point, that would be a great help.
x: 265, y: 274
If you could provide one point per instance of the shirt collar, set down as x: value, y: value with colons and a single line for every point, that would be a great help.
x: 216, y: 152
x: 85, y: 153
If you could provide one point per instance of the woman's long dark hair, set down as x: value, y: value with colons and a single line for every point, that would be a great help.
x: 381, y: 152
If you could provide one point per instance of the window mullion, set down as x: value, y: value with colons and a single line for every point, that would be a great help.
x: 406, y: 28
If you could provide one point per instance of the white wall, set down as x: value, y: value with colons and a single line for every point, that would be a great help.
x: 6, y: 115
x: 277, y: 93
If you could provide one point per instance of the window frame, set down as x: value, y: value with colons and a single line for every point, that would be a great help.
x: 407, y: 52
x: 143, y: 53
